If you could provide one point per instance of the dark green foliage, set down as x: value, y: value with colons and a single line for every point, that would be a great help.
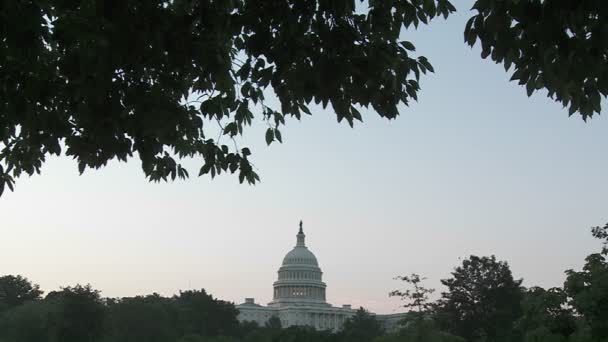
x: 247, y: 327
x: 16, y: 290
x: 362, y: 327
x: 303, y: 334
x: 198, y: 338
x: 483, y: 304
x: 588, y: 290
x: 602, y: 234
x: 423, y: 330
x: 273, y: 333
x: 151, y: 318
x: 545, y: 314
x: 199, y: 313
x: 558, y: 45
x: 80, y: 314
x: 420, y: 325
x: 164, y: 80
x: 274, y: 323
x: 482, y: 301
x: 74, y: 314
x: 29, y: 322
x: 416, y: 297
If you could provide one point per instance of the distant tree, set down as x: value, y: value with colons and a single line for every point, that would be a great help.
x: 198, y: 338
x: 362, y: 327
x: 273, y: 323
x: 28, y: 322
x: 16, y: 290
x: 150, y: 318
x: 191, y: 338
x: 258, y: 335
x: 417, y: 296
x: 582, y: 334
x: 199, y: 313
x: 602, y: 234
x: 247, y: 327
x: 482, y: 302
x: 425, y: 329
x: 303, y: 334
x: 419, y: 326
x: 588, y: 290
x: 546, y: 315
x: 80, y: 315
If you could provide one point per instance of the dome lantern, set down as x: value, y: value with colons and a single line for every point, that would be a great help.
x: 301, y: 237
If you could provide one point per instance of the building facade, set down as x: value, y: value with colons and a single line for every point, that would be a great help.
x: 299, y: 296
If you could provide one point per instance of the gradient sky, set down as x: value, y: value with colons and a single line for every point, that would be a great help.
x: 476, y: 167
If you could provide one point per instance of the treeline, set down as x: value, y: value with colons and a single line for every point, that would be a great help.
x: 482, y: 302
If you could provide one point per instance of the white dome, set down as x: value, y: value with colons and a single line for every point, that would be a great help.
x: 300, y: 255
x: 300, y: 280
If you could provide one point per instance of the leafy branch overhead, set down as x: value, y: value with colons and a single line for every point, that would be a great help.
x: 103, y: 80
x: 164, y: 80
x: 561, y: 46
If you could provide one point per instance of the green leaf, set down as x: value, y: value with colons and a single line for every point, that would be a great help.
x: 426, y: 63
x: 517, y: 74
x: 304, y: 108
x: 355, y: 113
x: 204, y: 169
x: 233, y: 167
x: 430, y: 8
x: 485, y: 52
x: 231, y: 129
x: 530, y: 86
x: 245, y: 89
x: 408, y: 45
x: 269, y: 136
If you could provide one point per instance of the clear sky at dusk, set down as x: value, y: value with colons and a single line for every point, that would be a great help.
x: 475, y: 167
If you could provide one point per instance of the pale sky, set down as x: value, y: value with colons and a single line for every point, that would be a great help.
x: 475, y: 167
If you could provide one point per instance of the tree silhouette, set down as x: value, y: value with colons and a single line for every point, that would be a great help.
x: 482, y: 301
x: 416, y: 297
x: 165, y: 80
x: 16, y: 290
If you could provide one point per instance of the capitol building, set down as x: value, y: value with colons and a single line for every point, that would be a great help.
x: 299, y: 296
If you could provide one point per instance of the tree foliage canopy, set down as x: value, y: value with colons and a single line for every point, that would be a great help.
x: 16, y: 290
x: 361, y: 327
x: 558, y: 45
x: 588, y: 290
x: 416, y: 296
x: 545, y: 312
x: 165, y: 79
x: 162, y: 80
x: 483, y: 300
